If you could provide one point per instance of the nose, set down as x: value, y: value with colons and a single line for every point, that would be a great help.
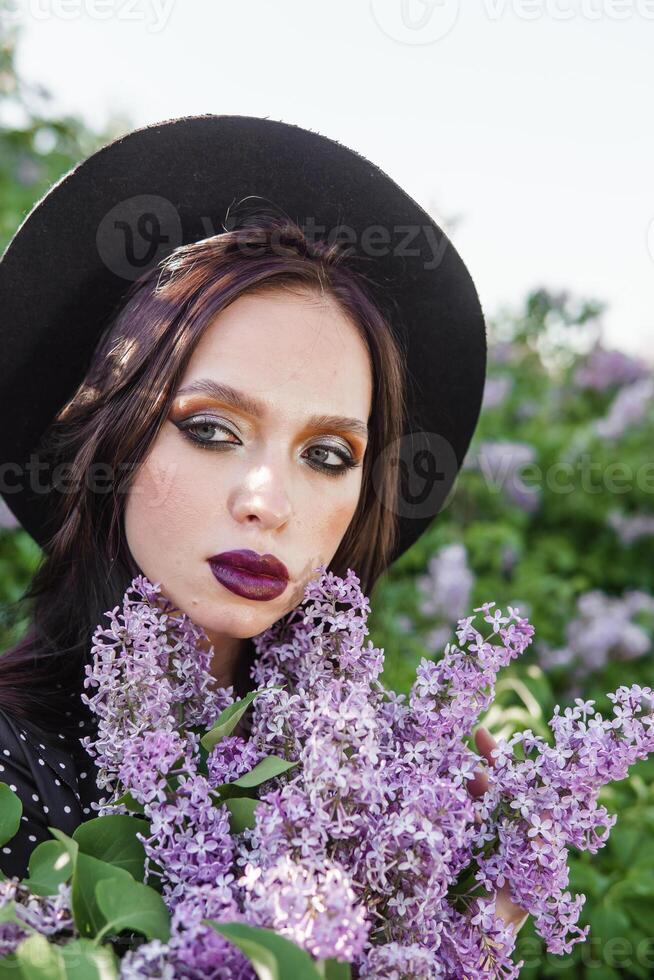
x: 262, y: 498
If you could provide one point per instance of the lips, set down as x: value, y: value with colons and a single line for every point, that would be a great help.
x: 250, y: 575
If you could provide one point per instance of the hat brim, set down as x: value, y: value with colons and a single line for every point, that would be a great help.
x: 80, y: 247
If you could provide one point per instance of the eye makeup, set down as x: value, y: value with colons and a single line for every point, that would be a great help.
x: 201, y: 429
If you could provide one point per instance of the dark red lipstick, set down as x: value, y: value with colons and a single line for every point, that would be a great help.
x: 249, y: 574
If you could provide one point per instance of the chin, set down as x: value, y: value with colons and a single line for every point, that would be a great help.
x: 241, y: 619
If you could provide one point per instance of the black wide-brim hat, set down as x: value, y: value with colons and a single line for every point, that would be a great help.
x: 131, y: 203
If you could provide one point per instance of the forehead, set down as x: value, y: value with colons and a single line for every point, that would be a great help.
x: 291, y: 350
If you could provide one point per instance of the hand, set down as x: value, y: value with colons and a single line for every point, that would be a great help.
x: 511, y: 913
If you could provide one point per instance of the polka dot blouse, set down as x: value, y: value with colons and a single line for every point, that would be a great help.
x: 54, y: 777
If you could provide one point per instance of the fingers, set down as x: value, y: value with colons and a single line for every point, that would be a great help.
x: 512, y: 914
x: 478, y: 785
x: 485, y: 744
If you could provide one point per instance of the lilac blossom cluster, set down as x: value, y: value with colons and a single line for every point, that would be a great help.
x: 500, y: 462
x: 496, y: 390
x: 630, y: 407
x: 539, y: 805
x: 444, y: 591
x: 604, y: 368
x: 631, y: 527
x: 370, y: 848
x: 605, y: 628
x: 50, y: 915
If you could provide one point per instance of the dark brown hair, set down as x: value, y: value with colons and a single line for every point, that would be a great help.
x: 117, y: 411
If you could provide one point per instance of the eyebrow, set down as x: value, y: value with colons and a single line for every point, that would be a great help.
x: 252, y: 406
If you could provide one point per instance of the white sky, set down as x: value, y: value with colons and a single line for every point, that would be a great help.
x: 528, y: 121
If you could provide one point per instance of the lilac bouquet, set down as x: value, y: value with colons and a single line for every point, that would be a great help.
x: 339, y: 828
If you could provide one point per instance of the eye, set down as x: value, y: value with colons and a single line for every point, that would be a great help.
x: 201, y: 430
x: 347, y: 461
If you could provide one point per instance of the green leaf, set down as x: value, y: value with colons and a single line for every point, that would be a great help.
x: 332, y: 969
x: 230, y: 717
x: 132, y: 804
x: 607, y: 922
x: 71, y: 845
x: 113, y: 839
x: 241, y: 813
x: 11, y: 810
x: 268, y: 768
x: 50, y: 864
x: 88, y: 916
x: 636, y: 884
x: 640, y: 912
x: 273, y: 957
x: 86, y: 961
x: 587, y: 879
x: 132, y: 905
x: 38, y: 959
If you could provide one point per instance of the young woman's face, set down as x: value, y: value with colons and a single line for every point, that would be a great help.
x: 268, y: 476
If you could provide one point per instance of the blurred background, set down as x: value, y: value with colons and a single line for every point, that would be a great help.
x: 521, y: 127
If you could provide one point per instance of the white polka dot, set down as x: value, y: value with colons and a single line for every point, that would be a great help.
x: 24, y: 818
x: 83, y: 775
x: 2, y: 768
x: 41, y: 745
x: 41, y: 762
x: 46, y: 809
x: 35, y: 797
x: 31, y: 837
x: 6, y: 850
x: 57, y: 782
x: 6, y: 752
x: 60, y: 735
x: 62, y: 765
x: 86, y: 810
x: 22, y: 736
x: 11, y: 786
x: 66, y: 809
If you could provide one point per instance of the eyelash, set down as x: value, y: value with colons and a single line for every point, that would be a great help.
x: 185, y: 428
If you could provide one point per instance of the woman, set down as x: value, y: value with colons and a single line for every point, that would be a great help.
x: 253, y: 404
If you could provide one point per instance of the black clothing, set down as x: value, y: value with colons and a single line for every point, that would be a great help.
x: 55, y: 778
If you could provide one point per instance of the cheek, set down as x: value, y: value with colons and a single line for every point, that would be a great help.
x: 329, y: 522
x: 166, y: 506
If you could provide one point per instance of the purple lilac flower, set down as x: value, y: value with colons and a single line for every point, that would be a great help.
x: 445, y: 589
x: 631, y: 527
x: 50, y: 914
x: 603, y: 630
x: 7, y: 519
x: 151, y: 675
x: 445, y: 592
x: 500, y: 463
x: 604, y: 368
x: 560, y: 783
x: 496, y: 390
x: 628, y: 408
